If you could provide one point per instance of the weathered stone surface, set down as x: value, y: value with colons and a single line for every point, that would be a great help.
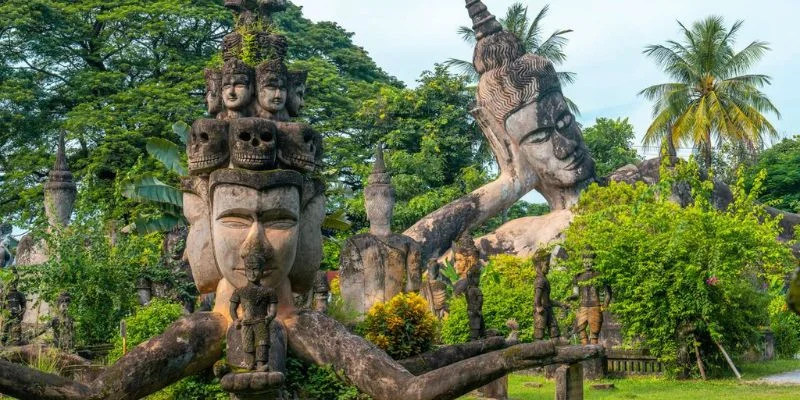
x: 60, y: 190
x: 569, y: 382
x: 523, y: 236
x: 208, y: 148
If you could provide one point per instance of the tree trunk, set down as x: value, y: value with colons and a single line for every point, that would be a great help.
x: 728, y: 359
x: 699, y: 361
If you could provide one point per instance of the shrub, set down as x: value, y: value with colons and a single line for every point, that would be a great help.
x: 507, y: 284
x: 147, y: 322
x: 403, y: 326
x: 313, y: 382
x: 785, y: 326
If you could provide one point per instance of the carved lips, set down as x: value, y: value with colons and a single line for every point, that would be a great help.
x: 254, y: 143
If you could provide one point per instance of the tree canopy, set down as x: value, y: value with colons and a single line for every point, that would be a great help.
x: 609, y: 141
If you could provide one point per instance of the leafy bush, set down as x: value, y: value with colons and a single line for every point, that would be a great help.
x: 403, y: 326
x: 785, y: 326
x: 147, y: 322
x: 313, y: 382
x: 508, y: 292
x: 681, y: 275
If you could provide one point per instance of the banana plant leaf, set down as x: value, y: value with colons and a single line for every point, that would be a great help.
x: 168, y: 153
x: 160, y: 224
x: 336, y: 221
x: 152, y: 189
x: 182, y: 129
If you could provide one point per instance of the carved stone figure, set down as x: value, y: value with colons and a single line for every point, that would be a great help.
x: 270, y: 47
x: 434, y: 290
x: 238, y: 88
x: 59, y: 191
x: 144, y: 290
x: 271, y: 83
x: 213, y: 91
x: 15, y: 304
x: 543, y: 317
x: 300, y: 147
x: 376, y: 266
x: 63, y: 326
x: 208, y: 148
x: 321, y: 292
x: 259, y: 308
x: 296, y: 100
x: 590, y: 313
x: 254, y: 143
x: 232, y: 46
x: 466, y: 255
x: 470, y: 286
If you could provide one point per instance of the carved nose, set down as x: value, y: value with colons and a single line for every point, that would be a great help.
x: 562, y: 146
x: 256, y: 248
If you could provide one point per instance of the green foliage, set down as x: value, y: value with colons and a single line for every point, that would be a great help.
x: 708, y: 101
x: 609, y: 142
x: 785, y: 325
x: 319, y: 383
x: 781, y: 188
x: 203, y: 386
x: 520, y: 209
x: 99, y: 276
x: 680, y: 274
x: 147, y: 322
x: 509, y: 297
x: 403, y: 327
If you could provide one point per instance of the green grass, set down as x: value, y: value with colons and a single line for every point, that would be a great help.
x: 659, y: 388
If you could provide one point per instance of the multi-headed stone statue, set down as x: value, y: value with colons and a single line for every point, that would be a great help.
x: 379, y: 265
x: 14, y: 304
x: 544, y: 318
x: 62, y: 324
x: 590, y: 312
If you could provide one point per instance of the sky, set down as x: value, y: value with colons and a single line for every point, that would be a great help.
x: 408, y: 37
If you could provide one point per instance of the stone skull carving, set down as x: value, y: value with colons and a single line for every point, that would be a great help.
x: 300, y: 147
x: 208, y: 146
x: 253, y: 143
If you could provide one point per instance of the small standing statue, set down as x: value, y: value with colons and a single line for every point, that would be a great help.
x: 469, y: 269
x: 63, y: 327
x: 259, y: 306
x: 434, y: 290
x: 15, y: 304
x: 321, y: 290
x: 544, y: 317
x: 590, y: 313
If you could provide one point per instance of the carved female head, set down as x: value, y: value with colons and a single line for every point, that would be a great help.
x: 296, y: 99
x: 272, y: 86
x: 213, y: 91
x: 237, y: 85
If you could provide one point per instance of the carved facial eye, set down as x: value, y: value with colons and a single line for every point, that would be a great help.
x: 245, y: 136
x: 564, y: 121
x: 204, y: 137
x: 266, y: 136
x: 538, y: 136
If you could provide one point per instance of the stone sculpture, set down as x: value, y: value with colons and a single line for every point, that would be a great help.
x: 59, y: 191
x: 273, y: 218
x: 470, y: 287
x: 434, y: 290
x: 466, y: 254
x: 272, y: 86
x: 14, y: 304
x: 62, y: 324
x: 590, y: 312
x: 296, y: 100
x: 259, y: 308
x: 379, y: 265
x: 213, y: 91
x: 321, y: 292
x: 208, y: 146
x: 543, y: 317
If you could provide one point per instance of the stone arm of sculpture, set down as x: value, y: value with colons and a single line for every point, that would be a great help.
x: 439, y: 229
x: 383, y: 378
x: 608, y: 296
x: 460, y: 287
x: 191, y: 345
x: 272, y: 308
x: 234, y: 309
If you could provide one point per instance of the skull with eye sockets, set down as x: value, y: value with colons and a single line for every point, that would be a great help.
x: 300, y: 146
x: 208, y: 146
x: 254, y: 143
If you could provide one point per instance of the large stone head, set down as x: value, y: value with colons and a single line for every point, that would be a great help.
x: 237, y: 85
x: 272, y: 82
x: 521, y: 93
x: 199, y: 248
x: 379, y: 197
x: 255, y: 222
x: 214, y: 91
x: 296, y: 99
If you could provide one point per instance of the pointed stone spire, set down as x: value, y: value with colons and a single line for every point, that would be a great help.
x: 379, y: 176
x: 60, y: 190
x: 483, y: 22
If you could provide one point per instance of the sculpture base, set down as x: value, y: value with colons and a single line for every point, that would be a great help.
x: 254, y: 385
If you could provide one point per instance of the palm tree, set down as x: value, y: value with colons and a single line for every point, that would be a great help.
x: 712, y: 96
x: 529, y: 32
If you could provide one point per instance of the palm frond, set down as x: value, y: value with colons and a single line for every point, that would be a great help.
x: 566, y: 78
x: 464, y: 68
x: 573, y: 108
x: 532, y: 37
x: 467, y: 34
x: 553, y: 47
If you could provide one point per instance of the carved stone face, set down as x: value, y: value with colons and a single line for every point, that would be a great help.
x: 551, y: 140
x: 254, y: 143
x: 237, y: 91
x: 272, y: 94
x: 208, y: 146
x: 465, y: 262
x: 300, y: 146
x: 255, y: 228
x: 296, y: 100
x: 213, y: 97
x: 199, y: 249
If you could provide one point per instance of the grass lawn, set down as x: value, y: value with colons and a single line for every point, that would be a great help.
x: 657, y: 388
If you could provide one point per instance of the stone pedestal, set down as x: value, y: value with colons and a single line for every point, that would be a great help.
x: 497, y: 390
x: 569, y: 382
x: 769, y: 346
x: 254, y: 385
x: 595, y: 368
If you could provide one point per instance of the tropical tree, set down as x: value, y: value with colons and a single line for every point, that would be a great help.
x: 609, y: 142
x: 529, y: 31
x: 712, y: 99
